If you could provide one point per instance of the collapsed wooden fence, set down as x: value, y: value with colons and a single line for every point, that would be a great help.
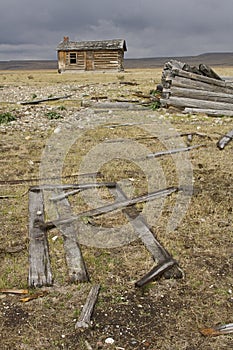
x: 196, y: 89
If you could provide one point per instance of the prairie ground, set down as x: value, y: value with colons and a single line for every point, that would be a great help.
x: 166, y: 313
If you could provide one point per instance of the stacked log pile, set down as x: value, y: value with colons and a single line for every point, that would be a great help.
x: 196, y: 89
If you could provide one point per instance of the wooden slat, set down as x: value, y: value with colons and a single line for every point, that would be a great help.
x: 75, y: 263
x: 39, y: 263
x: 158, y: 252
x: 111, y: 207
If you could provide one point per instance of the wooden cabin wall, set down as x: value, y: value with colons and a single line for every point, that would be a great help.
x: 92, y: 60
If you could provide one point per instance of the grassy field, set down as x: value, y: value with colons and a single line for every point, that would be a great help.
x: 165, y: 314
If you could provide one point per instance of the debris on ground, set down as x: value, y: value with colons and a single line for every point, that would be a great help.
x: 196, y: 90
x: 224, y: 140
x: 217, y: 330
x: 85, y: 317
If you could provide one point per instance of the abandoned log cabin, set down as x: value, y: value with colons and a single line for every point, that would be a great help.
x: 91, y: 55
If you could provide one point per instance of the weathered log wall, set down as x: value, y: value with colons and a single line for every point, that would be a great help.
x: 196, y: 90
x: 100, y: 60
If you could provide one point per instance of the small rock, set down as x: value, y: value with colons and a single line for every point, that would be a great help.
x: 109, y: 340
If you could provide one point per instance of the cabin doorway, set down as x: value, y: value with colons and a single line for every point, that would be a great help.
x: 89, y: 61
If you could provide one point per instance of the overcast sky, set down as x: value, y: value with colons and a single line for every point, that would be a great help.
x: 32, y: 29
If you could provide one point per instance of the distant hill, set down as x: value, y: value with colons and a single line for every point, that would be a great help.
x: 211, y: 59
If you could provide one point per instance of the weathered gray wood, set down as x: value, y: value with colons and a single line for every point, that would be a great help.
x: 74, y: 186
x: 173, y: 151
x: 202, y: 78
x: 156, y: 272
x: 208, y: 71
x: 111, y: 105
x: 201, y: 94
x: 74, y: 260
x: 110, y: 207
x: 224, y: 140
x: 85, y: 317
x: 189, y: 102
x: 211, y: 112
x: 35, y: 102
x: 198, y: 85
x: 158, y: 252
x: 39, y: 263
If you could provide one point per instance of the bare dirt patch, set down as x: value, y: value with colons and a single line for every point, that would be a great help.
x: 166, y: 314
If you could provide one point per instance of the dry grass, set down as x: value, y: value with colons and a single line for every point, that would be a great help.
x: 166, y: 314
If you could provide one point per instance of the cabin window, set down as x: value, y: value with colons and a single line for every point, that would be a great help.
x: 73, y: 58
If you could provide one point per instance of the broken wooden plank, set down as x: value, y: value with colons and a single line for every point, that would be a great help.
x: 143, y: 231
x: 224, y: 140
x: 74, y: 259
x: 39, y: 263
x: 211, y: 112
x: 108, y: 208
x: 156, y: 272
x: 85, y: 317
x: 85, y: 186
x: 35, y: 102
x: 173, y: 151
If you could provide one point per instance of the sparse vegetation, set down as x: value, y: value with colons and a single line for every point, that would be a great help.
x: 164, y: 315
x: 53, y: 115
x: 6, y: 118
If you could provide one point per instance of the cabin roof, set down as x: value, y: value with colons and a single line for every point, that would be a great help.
x: 67, y: 45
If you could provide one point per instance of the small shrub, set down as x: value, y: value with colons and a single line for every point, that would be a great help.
x: 155, y: 105
x: 6, y: 118
x: 62, y: 108
x: 53, y: 115
x: 34, y: 96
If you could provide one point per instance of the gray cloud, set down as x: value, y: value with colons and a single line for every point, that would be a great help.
x: 31, y: 29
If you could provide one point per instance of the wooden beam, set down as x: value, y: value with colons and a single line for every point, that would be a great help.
x: 109, y: 208
x: 39, y: 263
x: 191, y: 102
x: 75, y: 263
x: 211, y: 112
x: 202, y: 78
x: 201, y: 94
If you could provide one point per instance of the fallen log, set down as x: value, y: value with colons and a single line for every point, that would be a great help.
x: 211, y: 112
x: 198, y: 85
x: 183, y: 102
x: 208, y: 72
x: 202, y: 78
x: 200, y: 94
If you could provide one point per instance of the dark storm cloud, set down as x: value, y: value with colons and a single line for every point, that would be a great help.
x: 32, y: 28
